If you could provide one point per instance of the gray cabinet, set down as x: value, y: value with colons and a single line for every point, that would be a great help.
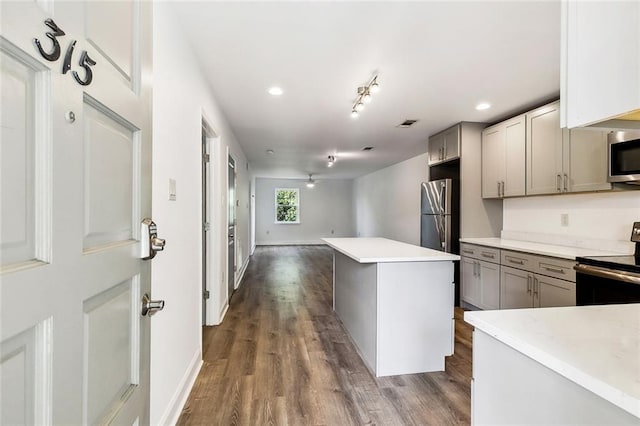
x: 516, y: 289
x: 544, y: 151
x: 584, y: 160
x: 444, y: 146
x: 536, y: 281
x: 562, y: 160
x: 480, y: 276
x: 503, y: 159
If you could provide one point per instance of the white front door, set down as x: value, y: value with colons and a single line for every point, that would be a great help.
x: 75, y: 158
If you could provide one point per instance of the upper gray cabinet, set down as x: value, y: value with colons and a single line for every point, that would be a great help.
x: 545, y: 173
x: 444, y: 146
x: 503, y: 159
x: 563, y: 160
x: 600, y: 64
x: 557, y: 160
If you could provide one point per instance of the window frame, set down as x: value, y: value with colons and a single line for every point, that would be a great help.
x: 276, y: 205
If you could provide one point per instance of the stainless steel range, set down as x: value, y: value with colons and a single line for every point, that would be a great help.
x: 602, y: 280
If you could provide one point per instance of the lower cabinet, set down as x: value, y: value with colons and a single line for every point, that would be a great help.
x: 480, y: 283
x: 505, y: 279
x: 524, y: 289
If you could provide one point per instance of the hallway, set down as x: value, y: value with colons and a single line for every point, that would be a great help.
x: 281, y: 357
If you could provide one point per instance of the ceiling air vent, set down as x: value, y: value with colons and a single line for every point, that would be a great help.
x: 407, y: 123
x: 367, y: 148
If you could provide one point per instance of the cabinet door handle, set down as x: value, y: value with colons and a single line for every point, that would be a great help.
x: 444, y: 151
x: 529, y: 277
x: 467, y: 251
x: 475, y: 269
x: 488, y: 256
x: 479, y: 271
x: 566, y: 183
x: 558, y: 178
x: 498, y: 188
x: 502, y: 184
x: 556, y: 270
x: 536, y: 284
x: 517, y: 262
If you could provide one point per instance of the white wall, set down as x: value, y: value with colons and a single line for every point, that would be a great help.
x: 596, y: 220
x: 181, y: 97
x: 387, y: 202
x: 326, y: 207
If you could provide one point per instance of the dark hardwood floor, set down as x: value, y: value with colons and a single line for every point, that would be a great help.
x: 281, y: 357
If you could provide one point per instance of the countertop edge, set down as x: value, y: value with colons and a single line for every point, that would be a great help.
x: 615, y: 396
x: 508, y: 245
x: 448, y: 257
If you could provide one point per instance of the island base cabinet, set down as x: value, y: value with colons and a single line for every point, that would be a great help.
x: 511, y: 388
x: 399, y: 315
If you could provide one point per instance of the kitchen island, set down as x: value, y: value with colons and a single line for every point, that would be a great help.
x: 571, y: 365
x: 395, y: 300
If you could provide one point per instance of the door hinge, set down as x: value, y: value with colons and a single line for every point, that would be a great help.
x: 206, y: 157
x: 205, y: 294
x: 206, y: 226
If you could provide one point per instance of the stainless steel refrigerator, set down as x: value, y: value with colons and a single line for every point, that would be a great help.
x: 439, y: 218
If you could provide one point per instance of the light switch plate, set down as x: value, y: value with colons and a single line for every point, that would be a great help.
x: 172, y: 189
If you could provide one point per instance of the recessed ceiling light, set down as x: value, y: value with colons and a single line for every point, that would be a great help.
x: 482, y: 106
x: 270, y: 151
x: 275, y: 91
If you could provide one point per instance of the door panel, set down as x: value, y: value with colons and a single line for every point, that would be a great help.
x: 492, y: 160
x: 17, y: 157
x: 544, y: 150
x: 25, y: 376
x: 71, y: 333
x: 432, y: 231
x: 111, y: 174
x: 489, y: 285
x: 515, y: 149
x: 515, y: 288
x: 115, y: 43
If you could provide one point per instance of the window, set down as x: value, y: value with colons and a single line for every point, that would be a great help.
x: 287, y: 205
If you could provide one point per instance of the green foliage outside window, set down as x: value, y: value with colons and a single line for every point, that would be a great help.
x: 287, y: 205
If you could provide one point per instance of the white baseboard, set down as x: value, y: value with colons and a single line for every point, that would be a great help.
x: 242, y: 271
x: 179, y: 399
x: 291, y: 243
x: 224, y: 312
x: 253, y: 249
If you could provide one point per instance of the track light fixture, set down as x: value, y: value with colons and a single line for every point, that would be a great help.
x: 364, y: 96
x: 330, y: 160
x: 311, y: 183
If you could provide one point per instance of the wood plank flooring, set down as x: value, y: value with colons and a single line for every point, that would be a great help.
x: 281, y: 357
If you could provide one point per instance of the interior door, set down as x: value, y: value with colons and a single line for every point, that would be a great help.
x: 76, y: 182
x: 231, y: 197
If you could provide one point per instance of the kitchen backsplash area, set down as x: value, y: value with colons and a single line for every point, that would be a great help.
x: 595, y: 220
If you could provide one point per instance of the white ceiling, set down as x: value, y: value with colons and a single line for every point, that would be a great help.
x: 435, y: 61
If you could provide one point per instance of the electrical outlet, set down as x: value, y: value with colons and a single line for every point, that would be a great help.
x: 564, y: 219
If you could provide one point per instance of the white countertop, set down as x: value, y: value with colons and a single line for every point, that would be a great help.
x: 597, y: 347
x: 380, y: 250
x: 564, y: 252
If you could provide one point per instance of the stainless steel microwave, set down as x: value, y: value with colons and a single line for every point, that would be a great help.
x: 623, y: 155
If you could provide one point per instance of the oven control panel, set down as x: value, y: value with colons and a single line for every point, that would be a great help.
x: 635, y: 232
